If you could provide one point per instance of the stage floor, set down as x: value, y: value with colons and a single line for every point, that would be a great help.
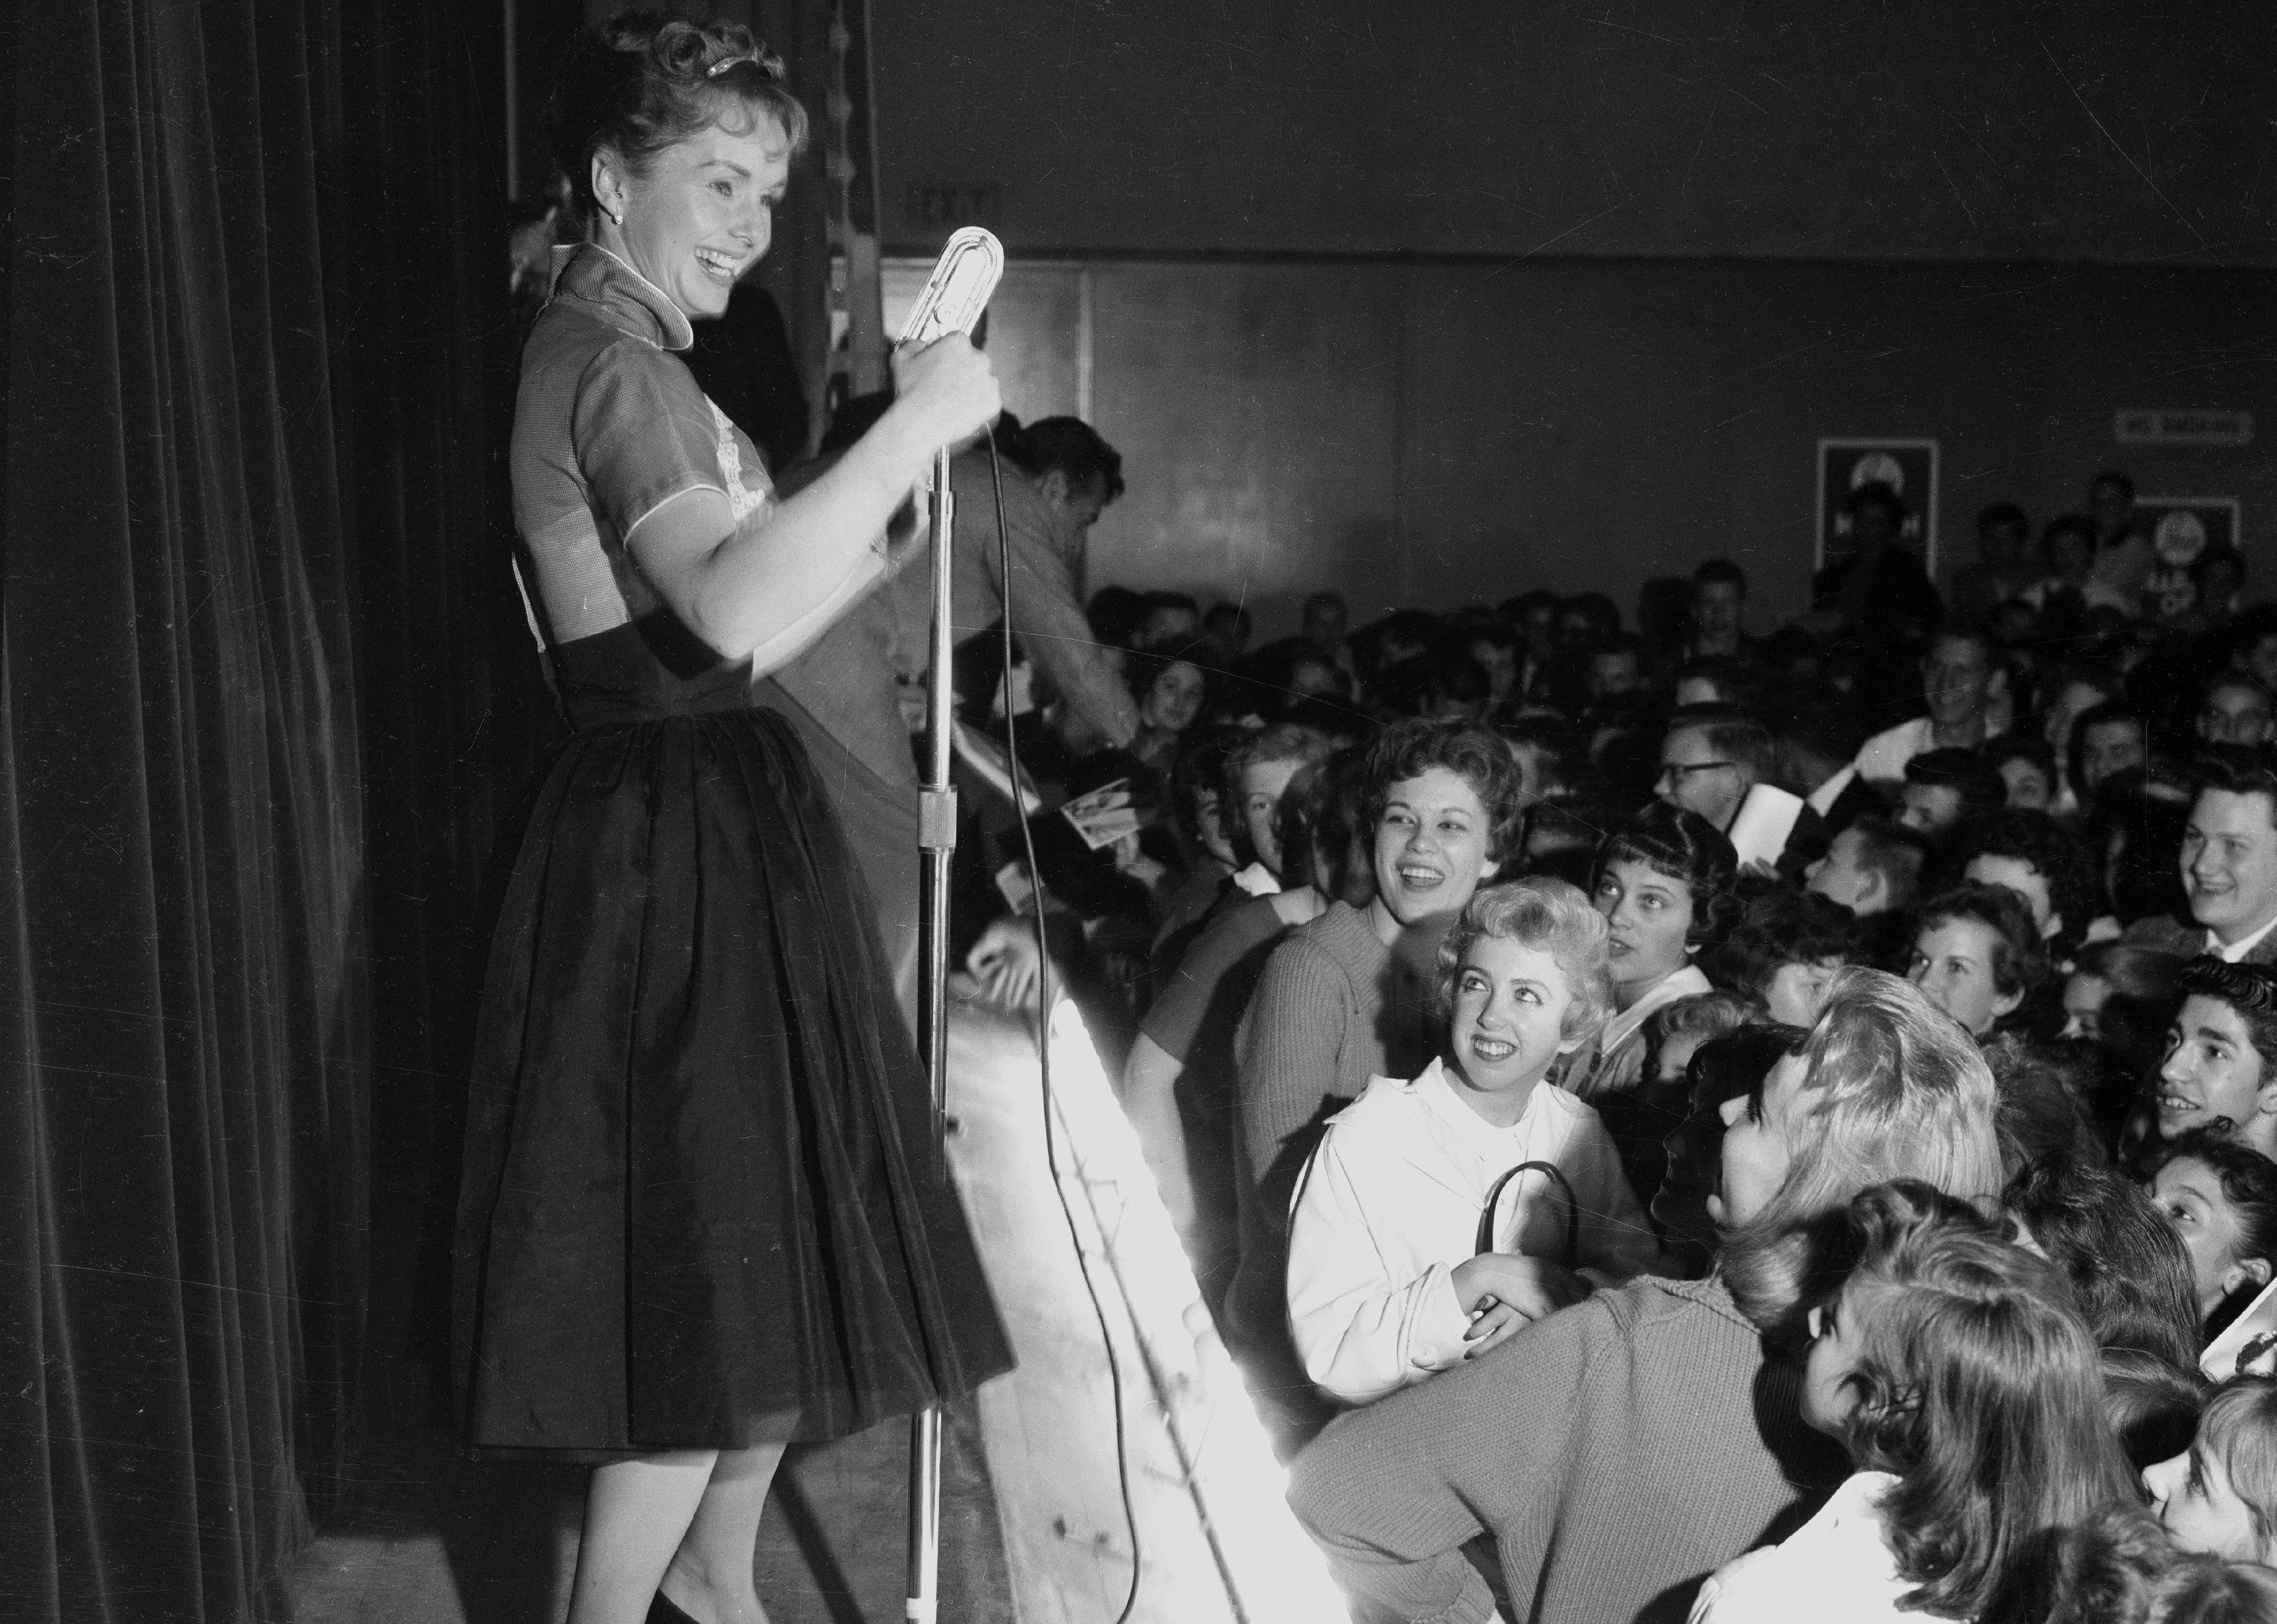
x: 1033, y: 1524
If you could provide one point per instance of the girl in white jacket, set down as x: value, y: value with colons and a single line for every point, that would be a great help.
x: 1383, y: 1286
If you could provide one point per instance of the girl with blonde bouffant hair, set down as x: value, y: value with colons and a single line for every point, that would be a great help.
x: 1890, y: 1089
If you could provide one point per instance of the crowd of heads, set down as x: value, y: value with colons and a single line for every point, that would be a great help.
x: 1974, y: 1097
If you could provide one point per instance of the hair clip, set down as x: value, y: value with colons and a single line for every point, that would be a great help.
x: 767, y: 62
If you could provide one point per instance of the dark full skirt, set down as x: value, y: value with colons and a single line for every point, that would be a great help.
x: 702, y: 1187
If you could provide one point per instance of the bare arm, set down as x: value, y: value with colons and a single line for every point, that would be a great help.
x: 769, y: 584
x: 1150, y: 1080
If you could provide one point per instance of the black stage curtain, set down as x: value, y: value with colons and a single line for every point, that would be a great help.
x: 252, y: 642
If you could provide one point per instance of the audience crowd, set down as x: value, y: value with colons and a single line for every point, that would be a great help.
x: 1688, y: 1120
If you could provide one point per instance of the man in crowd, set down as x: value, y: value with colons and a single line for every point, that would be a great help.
x: 2228, y: 865
x: 1617, y: 669
x: 2028, y: 853
x: 1328, y: 627
x: 2237, y: 711
x: 2114, y: 738
x: 1943, y: 786
x: 2007, y: 566
x: 1712, y: 757
x: 1226, y: 628
x: 2123, y: 556
x: 1877, y: 593
x: 1957, y: 682
x: 1720, y: 612
x: 841, y: 694
x: 1872, y: 867
x: 1532, y: 618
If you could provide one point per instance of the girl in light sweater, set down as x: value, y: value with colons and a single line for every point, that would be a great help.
x: 1387, y: 1281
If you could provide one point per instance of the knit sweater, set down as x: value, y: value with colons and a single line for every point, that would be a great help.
x: 1334, y: 1007
x: 1618, y: 1452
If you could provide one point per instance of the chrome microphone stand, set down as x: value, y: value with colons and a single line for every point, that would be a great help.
x: 936, y: 841
x: 967, y: 273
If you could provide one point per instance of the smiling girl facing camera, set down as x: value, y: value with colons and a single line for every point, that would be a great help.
x: 1347, y: 997
x: 1387, y: 1282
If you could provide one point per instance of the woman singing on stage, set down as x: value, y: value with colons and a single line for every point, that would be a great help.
x: 703, y: 1213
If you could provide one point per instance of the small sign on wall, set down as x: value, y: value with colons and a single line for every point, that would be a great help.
x: 2182, y: 527
x: 2182, y: 531
x: 1907, y: 466
x: 951, y: 205
x: 2183, y: 429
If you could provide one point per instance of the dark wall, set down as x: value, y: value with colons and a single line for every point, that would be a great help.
x: 1936, y: 129
x: 1439, y: 301
x: 1435, y: 434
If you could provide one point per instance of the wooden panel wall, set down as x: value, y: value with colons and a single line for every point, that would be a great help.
x: 1437, y: 434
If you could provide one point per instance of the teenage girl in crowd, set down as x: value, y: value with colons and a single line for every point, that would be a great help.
x: 1347, y: 997
x: 1621, y: 1450
x: 2222, y: 1199
x: 1387, y: 1281
x: 2220, y: 1497
x: 1663, y: 881
x: 1966, y: 1393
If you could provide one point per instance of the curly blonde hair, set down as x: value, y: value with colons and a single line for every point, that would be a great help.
x: 1892, y: 1089
x: 1548, y: 914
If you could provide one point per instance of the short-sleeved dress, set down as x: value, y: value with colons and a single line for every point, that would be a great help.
x: 701, y: 1185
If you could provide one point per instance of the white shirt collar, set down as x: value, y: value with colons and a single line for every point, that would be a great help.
x: 2235, y: 952
x: 1432, y: 1086
x: 1680, y: 983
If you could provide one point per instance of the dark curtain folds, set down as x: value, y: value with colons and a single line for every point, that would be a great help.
x: 251, y: 750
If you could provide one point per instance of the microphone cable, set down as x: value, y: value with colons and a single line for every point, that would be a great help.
x: 1044, y: 1035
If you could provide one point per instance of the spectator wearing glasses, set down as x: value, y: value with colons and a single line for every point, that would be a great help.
x: 1712, y: 758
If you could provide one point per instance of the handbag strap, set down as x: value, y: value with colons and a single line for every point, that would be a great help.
x: 1485, y: 1240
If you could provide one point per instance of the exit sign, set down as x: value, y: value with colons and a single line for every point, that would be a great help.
x: 947, y: 205
x: 2185, y: 428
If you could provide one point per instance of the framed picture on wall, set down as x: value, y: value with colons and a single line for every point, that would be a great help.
x: 1907, y: 466
x: 2182, y: 527
x: 2183, y: 530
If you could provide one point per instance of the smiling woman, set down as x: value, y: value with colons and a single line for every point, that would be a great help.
x: 1347, y: 997
x: 1388, y: 1281
x: 703, y: 1211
